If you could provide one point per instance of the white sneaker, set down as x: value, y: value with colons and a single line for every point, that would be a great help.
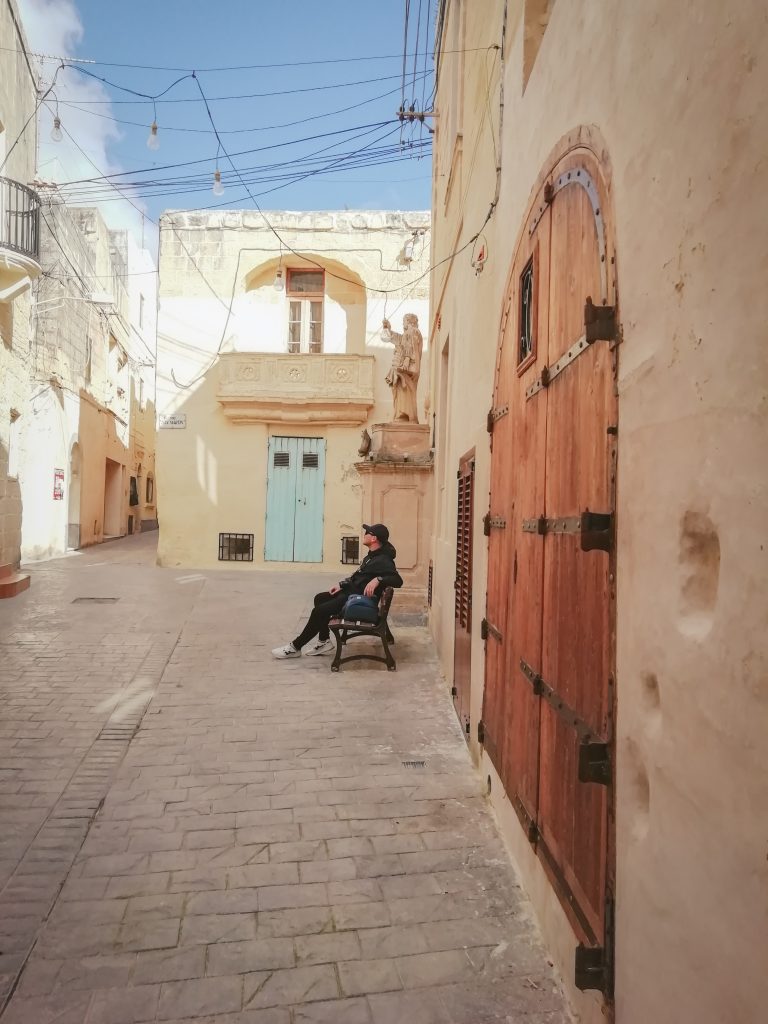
x: 289, y: 651
x: 320, y: 647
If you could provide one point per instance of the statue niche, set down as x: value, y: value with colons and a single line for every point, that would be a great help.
x: 403, y: 376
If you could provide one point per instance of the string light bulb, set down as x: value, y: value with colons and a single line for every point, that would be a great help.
x: 56, y: 135
x: 153, y: 142
x: 385, y: 334
x: 279, y: 283
x: 218, y: 188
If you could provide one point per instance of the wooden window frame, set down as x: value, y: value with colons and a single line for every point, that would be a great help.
x: 306, y: 299
x: 533, y: 263
x: 304, y: 270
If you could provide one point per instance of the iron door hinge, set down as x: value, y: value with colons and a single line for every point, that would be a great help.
x: 595, y: 529
x: 480, y: 731
x: 486, y: 630
x: 493, y: 415
x: 599, y: 322
x: 590, y: 968
x: 454, y: 692
x: 595, y: 763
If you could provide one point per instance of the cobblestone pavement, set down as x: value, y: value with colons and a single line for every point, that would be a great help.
x: 192, y: 831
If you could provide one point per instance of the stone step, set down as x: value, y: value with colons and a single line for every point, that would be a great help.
x: 12, y: 582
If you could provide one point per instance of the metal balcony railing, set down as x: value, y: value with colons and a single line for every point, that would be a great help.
x: 19, y: 219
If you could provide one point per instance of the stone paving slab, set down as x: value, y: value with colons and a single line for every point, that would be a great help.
x: 246, y: 843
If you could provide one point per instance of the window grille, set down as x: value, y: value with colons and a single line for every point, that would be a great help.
x: 281, y: 459
x: 235, y: 547
x: 526, y: 313
x: 429, y: 586
x: 310, y: 460
x: 350, y: 550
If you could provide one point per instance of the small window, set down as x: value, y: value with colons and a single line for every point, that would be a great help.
x: 305, y: 325
x: 350, y: 550
x: 235, y: 547
x: 306, y: 282
x: 150, y: 489
x: 281, y: 460
x: 309, y: 460
x: 526, y: 313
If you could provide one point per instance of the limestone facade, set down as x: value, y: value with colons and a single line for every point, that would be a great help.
x: 669, y: 103
x: 87, y: 449
x: 245, y: 369
x: 19, y: 264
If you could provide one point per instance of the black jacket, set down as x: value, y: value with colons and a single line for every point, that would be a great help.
x: 380, y: 562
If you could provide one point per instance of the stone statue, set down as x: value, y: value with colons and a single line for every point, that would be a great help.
x: 403, y: 376
x: 365, y: 443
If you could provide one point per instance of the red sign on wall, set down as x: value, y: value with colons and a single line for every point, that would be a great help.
x: 58, y: 485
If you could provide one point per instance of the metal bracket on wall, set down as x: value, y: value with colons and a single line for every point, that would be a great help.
x: 595, y: 763
x: 599, y: 322
x: 594, y: 528
x: 590, y: 968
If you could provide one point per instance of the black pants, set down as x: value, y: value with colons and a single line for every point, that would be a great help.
x: 327, y: 606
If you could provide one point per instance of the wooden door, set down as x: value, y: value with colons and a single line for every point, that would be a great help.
x: 462, y: 651
x: 295, y: 487
x: 548, y: 701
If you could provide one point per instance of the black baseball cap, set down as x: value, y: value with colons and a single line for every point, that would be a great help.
x: 378, y: 530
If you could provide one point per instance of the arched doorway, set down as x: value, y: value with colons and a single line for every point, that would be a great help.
x: 73, y: 497
x: 548, y: 708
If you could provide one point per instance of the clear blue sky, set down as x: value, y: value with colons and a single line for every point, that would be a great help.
x: 199, y: 35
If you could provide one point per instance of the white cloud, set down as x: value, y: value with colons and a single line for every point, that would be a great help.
x: 55, y: 27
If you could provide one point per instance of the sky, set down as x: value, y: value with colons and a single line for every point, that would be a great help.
x: 336, y: 158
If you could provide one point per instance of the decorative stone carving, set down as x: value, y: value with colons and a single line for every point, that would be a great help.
x: 365, y: 443
x: 259, y: 387
x: 403, y: 376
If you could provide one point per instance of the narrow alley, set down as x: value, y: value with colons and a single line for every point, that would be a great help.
x: 193, y: 831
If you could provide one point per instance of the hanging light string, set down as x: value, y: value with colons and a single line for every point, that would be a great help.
x: 39, y: 102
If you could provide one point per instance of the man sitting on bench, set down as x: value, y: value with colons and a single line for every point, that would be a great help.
x: 377, y: 571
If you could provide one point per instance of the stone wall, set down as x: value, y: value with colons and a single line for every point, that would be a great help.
x: 676, y: 93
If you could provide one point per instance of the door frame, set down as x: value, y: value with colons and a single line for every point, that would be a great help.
x: 594, y: 967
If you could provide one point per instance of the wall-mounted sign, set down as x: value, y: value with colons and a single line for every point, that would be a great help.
x: 176, y: 421
x: 58, y: 485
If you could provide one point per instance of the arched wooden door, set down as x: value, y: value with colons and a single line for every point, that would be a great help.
x: 550, y: 621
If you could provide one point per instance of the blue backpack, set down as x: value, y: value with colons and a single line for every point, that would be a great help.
x: 360, y: 608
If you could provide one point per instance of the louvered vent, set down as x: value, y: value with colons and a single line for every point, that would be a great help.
x: 281, y: 459
x: 309, y: 460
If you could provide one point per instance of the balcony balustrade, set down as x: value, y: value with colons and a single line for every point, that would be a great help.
x: 19, y: 237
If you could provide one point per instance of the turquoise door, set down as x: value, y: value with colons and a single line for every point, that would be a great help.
x: 295, y: 484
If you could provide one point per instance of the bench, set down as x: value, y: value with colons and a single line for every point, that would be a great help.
x: 344, y: 630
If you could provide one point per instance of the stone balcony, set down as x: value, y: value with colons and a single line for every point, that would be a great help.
x: 265, y: 387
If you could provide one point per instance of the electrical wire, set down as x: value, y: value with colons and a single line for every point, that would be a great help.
x: 148, y: 98
x: 225, y: 68
x: 238, y: 131
x: 242, y: 152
